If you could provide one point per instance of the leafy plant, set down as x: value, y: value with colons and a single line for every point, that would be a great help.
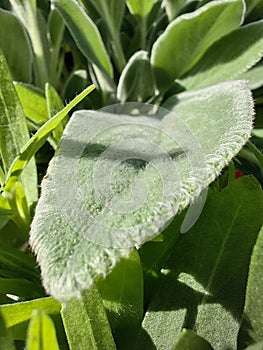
x: 148, y: 228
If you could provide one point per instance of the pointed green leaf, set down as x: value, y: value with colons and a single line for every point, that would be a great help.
x: 136, y: 82
x: 86, y: 323
x: 140, y: 8
x: 4, y: 206
x: 85, y: 33
x: 19, y: 312
x: 131, y: 203
x: 228, y: 58
x: 122, y: 294
x: 254, y: 76
x: 38, y: 140
x: 204, y: 287
x: 252, y: 326
x: 11, y: 30
x: 186, y: 39
x: 41, y: 334
x: 6, y: 342
x: 13, y: 131
x: 189, y: 340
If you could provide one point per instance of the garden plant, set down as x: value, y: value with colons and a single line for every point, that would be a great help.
x: 131, y: 174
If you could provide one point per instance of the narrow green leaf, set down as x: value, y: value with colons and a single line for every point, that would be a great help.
x: 136, y: 82
x: 188, y: 157
x: 86, y: 323
x: 54, y: 105
x: 19, y: 312
x: 189, y: 340
x: 228, y: 58
x: 252, y: 326
x: 20, y: 287
x: 6, y: 342
x: 122, y: 294
x: 33, y: 102
x: 39, y: 138
x: 204, y: 288
x: 140, y: 8
x: 85, y: 34
x: 41, y: 332
x: 13, y: 132
x: 186, y: 39
x: 11, y: 30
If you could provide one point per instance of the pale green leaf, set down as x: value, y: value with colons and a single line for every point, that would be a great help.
x: 86, y: 323
x: 187, y: 38
x: 38, y: 140
x: 14, y: 39
x: 131, y: 203
x: 254, y: 76
x: 6, y: 342
x: 189, y: 340
x: 228, y: 58
x: 5, y: 208
x: 33, y: 102
x: 257, y: 346
x: 20, y: 312
x: 41, y: 334
x: 140, y: 8
x: 136, y: 82
x: 252, y: 326
x: 13, y: 132
x: 85, y: 33
x: 204, y: 287
x: 122, y: 294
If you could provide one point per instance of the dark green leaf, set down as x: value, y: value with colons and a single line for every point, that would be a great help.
x: 14, y: 39
x: 122, y: 294
x: 205, y: 281
x: 252, y: 326
x: 6, y: 342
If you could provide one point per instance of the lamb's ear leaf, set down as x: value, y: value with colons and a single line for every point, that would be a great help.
x: 187, y: 38
x: 92, y: 213
x: 228, y: 58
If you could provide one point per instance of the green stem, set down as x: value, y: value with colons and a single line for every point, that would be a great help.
x: 143, y: 32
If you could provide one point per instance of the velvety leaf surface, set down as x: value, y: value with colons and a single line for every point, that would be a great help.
x: 241, y: 49
x: 87, y: 218
x: 205, y: 282
x: 41, y: 334
x: 186, y: 39
x: 254, y: 76
x: 86, y: 323
x: 252, y: 326
x: 14, y: 39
